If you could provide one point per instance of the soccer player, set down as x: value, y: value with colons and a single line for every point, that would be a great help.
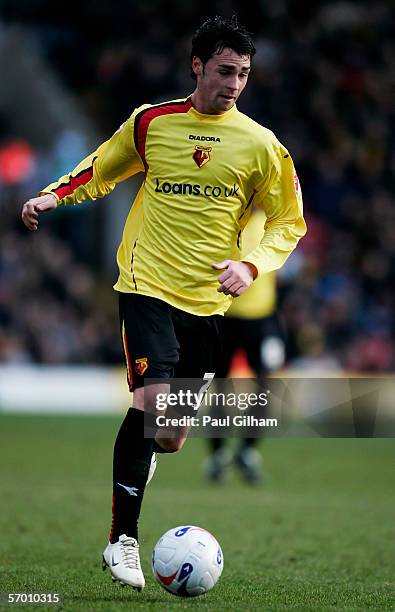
x: 204, y: 164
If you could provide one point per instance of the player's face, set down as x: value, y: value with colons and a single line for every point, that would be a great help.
x: 220, y: 81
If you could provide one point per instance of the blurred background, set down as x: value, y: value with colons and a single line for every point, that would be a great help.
x: 323, y: 80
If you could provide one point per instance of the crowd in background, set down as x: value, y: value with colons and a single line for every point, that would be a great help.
x: 52, y: 308
x: 323, y: 80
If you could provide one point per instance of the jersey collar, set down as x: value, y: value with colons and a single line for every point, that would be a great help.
x: 212, y: 118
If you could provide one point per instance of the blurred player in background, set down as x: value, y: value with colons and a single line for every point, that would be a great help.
x: 251, y: 325
x: 204, y: 165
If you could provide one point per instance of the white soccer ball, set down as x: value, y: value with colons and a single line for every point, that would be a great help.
x: 187, y: 561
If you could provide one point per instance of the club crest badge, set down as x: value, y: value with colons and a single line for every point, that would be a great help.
x: 201, y: 155
x: 141, y: 365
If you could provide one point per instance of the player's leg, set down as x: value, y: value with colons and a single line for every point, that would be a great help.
x: 220, y: 457
x: 199, y: 341
x: 151, y: 351
x: 264, y: 348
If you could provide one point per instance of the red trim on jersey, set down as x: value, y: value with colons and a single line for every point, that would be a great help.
x: 153, y: 113
x: 68, y: 188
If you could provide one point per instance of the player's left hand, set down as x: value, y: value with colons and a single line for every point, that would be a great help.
x: 237, y: 277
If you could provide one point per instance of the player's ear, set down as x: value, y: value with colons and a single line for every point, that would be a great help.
x: 197, y: 66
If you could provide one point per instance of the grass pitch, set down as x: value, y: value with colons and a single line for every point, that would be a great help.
x: 319, y: 535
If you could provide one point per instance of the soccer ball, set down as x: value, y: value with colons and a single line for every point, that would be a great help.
x: 187, y: 561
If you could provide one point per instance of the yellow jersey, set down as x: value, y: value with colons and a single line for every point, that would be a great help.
x: 201, y: 175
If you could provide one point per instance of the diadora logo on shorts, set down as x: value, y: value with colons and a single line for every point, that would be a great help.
x: 141, y: 365
x: 208, y: 191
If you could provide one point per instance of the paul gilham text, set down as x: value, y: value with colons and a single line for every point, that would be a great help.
x: 239, y: 420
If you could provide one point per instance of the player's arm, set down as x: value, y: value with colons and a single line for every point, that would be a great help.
x: 280, y: 196
x: 94, y: 177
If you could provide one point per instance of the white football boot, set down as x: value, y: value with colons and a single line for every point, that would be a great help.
x: 123, y: 559
x: 249, y: 462
x: 217, y: 463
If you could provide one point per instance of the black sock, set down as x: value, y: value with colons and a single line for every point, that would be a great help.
x: 216, y: 444
x: 132, y: 459
x: 248, y: 443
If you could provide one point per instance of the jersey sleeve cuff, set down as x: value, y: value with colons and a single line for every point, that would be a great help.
x: 261, y: 267
x: 44, y: 192
x: 252, y: 267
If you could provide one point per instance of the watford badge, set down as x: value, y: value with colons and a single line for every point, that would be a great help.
x: 141, y: 365
x: 201, y: 155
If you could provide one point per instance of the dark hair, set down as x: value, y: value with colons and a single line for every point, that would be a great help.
x: 217, y: 33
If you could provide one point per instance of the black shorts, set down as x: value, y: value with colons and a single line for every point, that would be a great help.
x: 161, y: 341
x: 247, y: 334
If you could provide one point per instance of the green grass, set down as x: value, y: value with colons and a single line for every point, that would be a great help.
x: 319, y: 535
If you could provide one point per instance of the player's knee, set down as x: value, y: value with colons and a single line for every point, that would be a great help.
x: 146, y: 398
x: 170, y: 445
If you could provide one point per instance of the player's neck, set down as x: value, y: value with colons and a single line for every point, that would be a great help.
x: 202, y: 106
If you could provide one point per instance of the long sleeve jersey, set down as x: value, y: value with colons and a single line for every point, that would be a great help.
x: 260, y: 299
x: 201, y: 175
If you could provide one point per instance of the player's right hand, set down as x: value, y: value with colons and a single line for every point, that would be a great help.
x: 33, y: 207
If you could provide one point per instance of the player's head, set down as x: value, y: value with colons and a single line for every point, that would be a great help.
x: 221, y: 55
